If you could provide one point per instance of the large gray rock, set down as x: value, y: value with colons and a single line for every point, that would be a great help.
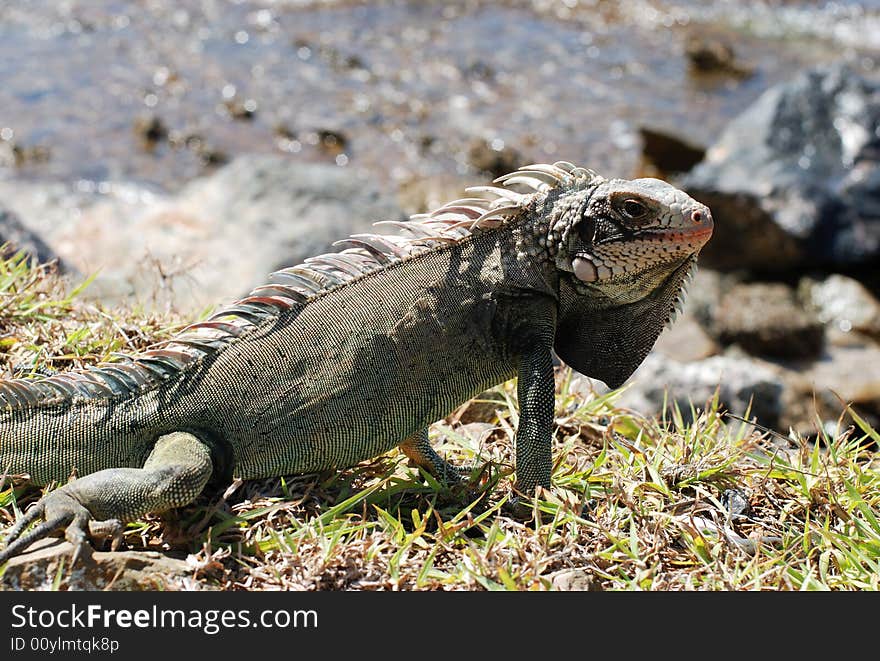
x: 15, y: 236
x: 795, y: 180
x: 781, y: 395
x: 686, y: 340
x: 845, y: 374
x: 843, y: 303
x: 765, y: 319
x: 218, y: 238
x: 742, y: 385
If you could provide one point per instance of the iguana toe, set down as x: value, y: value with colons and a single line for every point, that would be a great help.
x: 110, y: 528
x: 59, y: 510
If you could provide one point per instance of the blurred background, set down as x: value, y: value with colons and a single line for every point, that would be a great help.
x: 184, y: 149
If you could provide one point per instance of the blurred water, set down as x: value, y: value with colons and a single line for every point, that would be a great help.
x: 401, y: 88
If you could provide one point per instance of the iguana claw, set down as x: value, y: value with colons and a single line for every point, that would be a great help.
x: 60, y: 510
x: 78, y: 526
x: 95, y: 505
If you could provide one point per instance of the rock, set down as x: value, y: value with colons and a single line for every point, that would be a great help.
x: 843, y: 303
x: 794, y: 181
x: 14, y: 236
x: 332, y: 142
x: 211, y: 157
x: 735, y: 501
x: 766, y: 320
x: 481, y: 70
x: 790, y: 395
x: 851, y: 374
x: 705, y: 292
x: 494, y: 157
x: 743, y: 384
x: 242, y: 109
x: 685, y: 341
x: 284, y: 132
x: 817, y: 391
x: 687, y: 338
x: 745, y: 236
x: 664, y: 153
x: 53, y: 210
x: 426, y: 194
x: 711, y: 55
x: 150, y: 130
x: 14, y: 154
x: 575, y: 580
x: 97, y: 570
x: 220, y: 236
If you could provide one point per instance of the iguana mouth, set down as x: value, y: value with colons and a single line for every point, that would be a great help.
x: 677, y: 243
x: 700, y: 234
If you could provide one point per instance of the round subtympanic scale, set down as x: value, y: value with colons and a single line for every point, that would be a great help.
x: 584, y: 269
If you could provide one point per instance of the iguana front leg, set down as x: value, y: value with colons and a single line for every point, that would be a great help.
x: 536, y: 394
x: 99, y: 503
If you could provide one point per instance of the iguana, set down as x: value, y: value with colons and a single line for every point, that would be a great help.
x: 352, y: 353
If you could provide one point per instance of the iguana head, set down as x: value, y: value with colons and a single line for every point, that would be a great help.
x: 624, y: 250
x: 621, y: 228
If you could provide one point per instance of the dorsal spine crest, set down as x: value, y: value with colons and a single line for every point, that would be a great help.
x: 294, y: 287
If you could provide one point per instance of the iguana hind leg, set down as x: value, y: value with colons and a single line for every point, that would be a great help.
x: 418, y: 449
x: 97, y: 504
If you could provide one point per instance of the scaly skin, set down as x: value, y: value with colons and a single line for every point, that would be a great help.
x: 356, y: 352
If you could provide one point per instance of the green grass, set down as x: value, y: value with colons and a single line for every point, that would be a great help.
x: 637, y: 503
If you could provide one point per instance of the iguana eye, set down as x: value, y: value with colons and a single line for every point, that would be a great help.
x: 633, y: 209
